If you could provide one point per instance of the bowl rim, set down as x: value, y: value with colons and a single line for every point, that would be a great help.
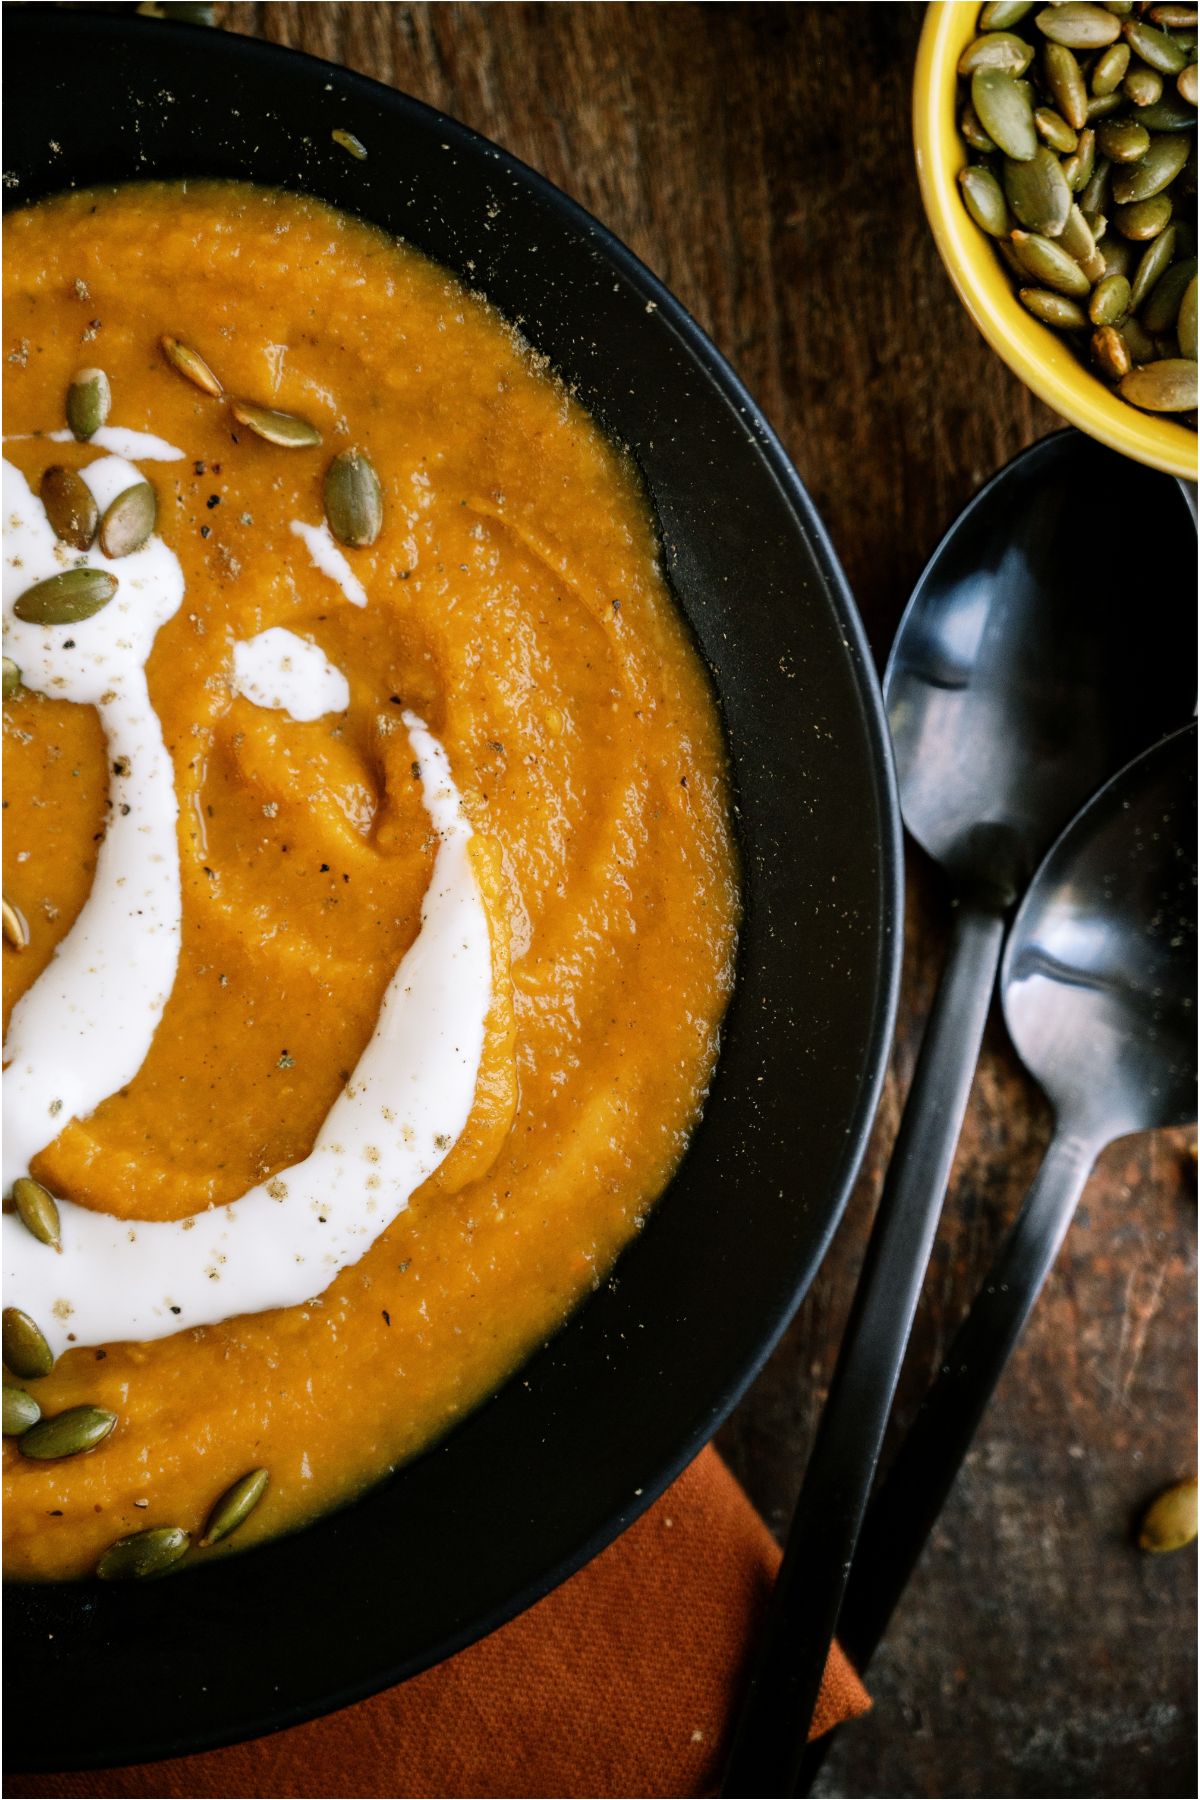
x: 278, y: 59
x: 1035, y: 353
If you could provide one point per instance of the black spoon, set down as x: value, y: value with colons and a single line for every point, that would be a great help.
x: 1099, y: 991
x: 1050, y: 638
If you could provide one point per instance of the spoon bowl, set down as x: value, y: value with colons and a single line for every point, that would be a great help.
x: 1037, y: 655
x: 1098, y: 982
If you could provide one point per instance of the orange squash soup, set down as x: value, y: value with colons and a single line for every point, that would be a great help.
x: 370, y: 897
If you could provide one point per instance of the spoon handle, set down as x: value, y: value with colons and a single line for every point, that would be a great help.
x: 786, y: 1677
x: 904, y: 1510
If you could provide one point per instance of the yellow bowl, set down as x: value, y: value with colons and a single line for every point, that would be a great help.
x: 1043, y: 360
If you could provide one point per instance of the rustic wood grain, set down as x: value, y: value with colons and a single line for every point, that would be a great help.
x: 758, y: 158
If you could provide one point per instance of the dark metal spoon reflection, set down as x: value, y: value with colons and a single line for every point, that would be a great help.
x: 1099, y: 994
x: 1050, y: 638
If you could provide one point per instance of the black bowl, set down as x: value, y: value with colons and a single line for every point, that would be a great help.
x: 544, y: 1474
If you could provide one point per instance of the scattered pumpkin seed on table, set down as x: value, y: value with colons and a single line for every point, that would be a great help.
x: 12, y: 678
x: 1169, y: 1522
x: 188, y: 12
x: 1080, y: 126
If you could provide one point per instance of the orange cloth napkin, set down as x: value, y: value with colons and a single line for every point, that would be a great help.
x: 621, y: 1682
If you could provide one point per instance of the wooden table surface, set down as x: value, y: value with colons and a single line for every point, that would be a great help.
x: 757, y: 157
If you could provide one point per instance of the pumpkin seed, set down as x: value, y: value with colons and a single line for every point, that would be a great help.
x: 1123, y: 140
x: 1156, y: 170
x: 1141, y: 344
x: 1175, y: 18
x: 1005, y: 111
x: 129, y: 520
x: 12, y: 678
x: 26, y: 1351
x: 188, y: 12
x: 1118, y: 255
x: 66, y: 599
x: 1142, y: 86
x: 1155, y: 47
x: 21, y: 1411
x: 38, y: 1211
x: 1053, y: 129
x: 1161, y: 307
x: 358, y: 150
x: 1049, y: 264
x: 1153, y: 263
x: 1187, y: 84
x: 235, y: 1506
x: 16, y: 932
x: 1037, y: 192
x: 1168, y: 115
x: 89, y: 399
x: 1078, y: 238
x: 1080, y: 26
x: 1168, y: 385
x: 67, y: 1433
x: 1145, y: 219
x: 984, y: 200
x: 1065, y: 80
x: 1109, y: 301
x: 144, y: 1553
x: 973, y: 132
x: 1077, y: 169
x: 1169, y: 1522
x: 994, y: 50
x: 998, y: 15
x: 70, y: 506
x: 1094, y: 197
x: 1053, y: 309
x: 1185, y: 325
x: 1100, y: 105
x: 353, y: 499
x: 1005, y: 252
x: 283, y: 429
x: 1110, y: 353
x: 191, y: 365
x: 1108, y: 72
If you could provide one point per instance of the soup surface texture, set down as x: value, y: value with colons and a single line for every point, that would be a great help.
x: 516, y: 613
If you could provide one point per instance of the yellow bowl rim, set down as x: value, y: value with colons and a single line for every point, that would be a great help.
x: 1032, y: 350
